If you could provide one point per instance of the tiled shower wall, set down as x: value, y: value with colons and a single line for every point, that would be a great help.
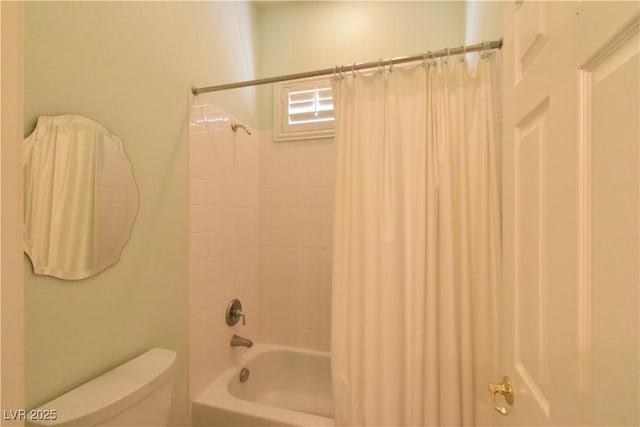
x: 297, y: 181
x: 260, y: 229
x: 223, y: 241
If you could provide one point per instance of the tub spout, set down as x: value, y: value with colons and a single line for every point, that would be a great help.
x: 238, y: 341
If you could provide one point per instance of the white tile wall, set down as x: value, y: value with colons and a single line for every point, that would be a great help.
x: 296, y: 182
x: 260, y: 229
x: 223, y: 242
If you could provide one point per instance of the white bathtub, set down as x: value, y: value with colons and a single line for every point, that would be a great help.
x: 286, y: 387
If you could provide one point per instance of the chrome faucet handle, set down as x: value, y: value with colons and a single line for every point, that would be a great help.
x: 234, y: 313
x: 239, y: 313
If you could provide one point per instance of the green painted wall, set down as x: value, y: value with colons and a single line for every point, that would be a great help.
x: 304, y: 36
x: 128, y: 65
x: 484, y: 21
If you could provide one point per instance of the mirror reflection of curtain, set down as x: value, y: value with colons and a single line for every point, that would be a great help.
x: 80, y: 198
x: 416, y: 262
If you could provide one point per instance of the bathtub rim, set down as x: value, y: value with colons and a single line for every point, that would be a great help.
x: 217, y: 394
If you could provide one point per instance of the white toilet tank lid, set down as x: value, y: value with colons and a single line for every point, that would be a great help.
x: 113, y: 391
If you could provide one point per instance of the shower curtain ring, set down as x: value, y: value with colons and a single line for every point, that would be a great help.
x: 390, y: 65
x: 424, y: 60
x: 432, y: 59
x: 380, y: 67
x: 464, y: 53
x: 341, y: 71
x: 353, y: 71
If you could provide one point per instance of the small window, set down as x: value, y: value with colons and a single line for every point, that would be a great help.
x: 303, y: 109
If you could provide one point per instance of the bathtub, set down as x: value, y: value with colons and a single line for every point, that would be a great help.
x: 286, y: 387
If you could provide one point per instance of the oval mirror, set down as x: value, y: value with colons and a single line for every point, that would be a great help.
x: 80, y: 197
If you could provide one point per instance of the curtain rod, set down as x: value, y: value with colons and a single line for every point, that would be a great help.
x: 496, y: 44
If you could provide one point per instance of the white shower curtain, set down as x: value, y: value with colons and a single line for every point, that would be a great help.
x: 417, y: 245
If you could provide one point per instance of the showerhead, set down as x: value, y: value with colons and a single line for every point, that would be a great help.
x: 235, y: 126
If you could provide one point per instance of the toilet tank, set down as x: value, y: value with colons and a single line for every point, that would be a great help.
x: 136, y: 393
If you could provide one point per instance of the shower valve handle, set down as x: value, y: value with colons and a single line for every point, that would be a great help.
x: 239, y: 313
x: 234, y: 313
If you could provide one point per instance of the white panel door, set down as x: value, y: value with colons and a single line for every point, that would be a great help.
x: 570, y: 324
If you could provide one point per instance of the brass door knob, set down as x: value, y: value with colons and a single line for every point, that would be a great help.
x: 506, y: 389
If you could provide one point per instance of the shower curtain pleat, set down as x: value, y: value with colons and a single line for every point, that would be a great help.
x: 416, y: 258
